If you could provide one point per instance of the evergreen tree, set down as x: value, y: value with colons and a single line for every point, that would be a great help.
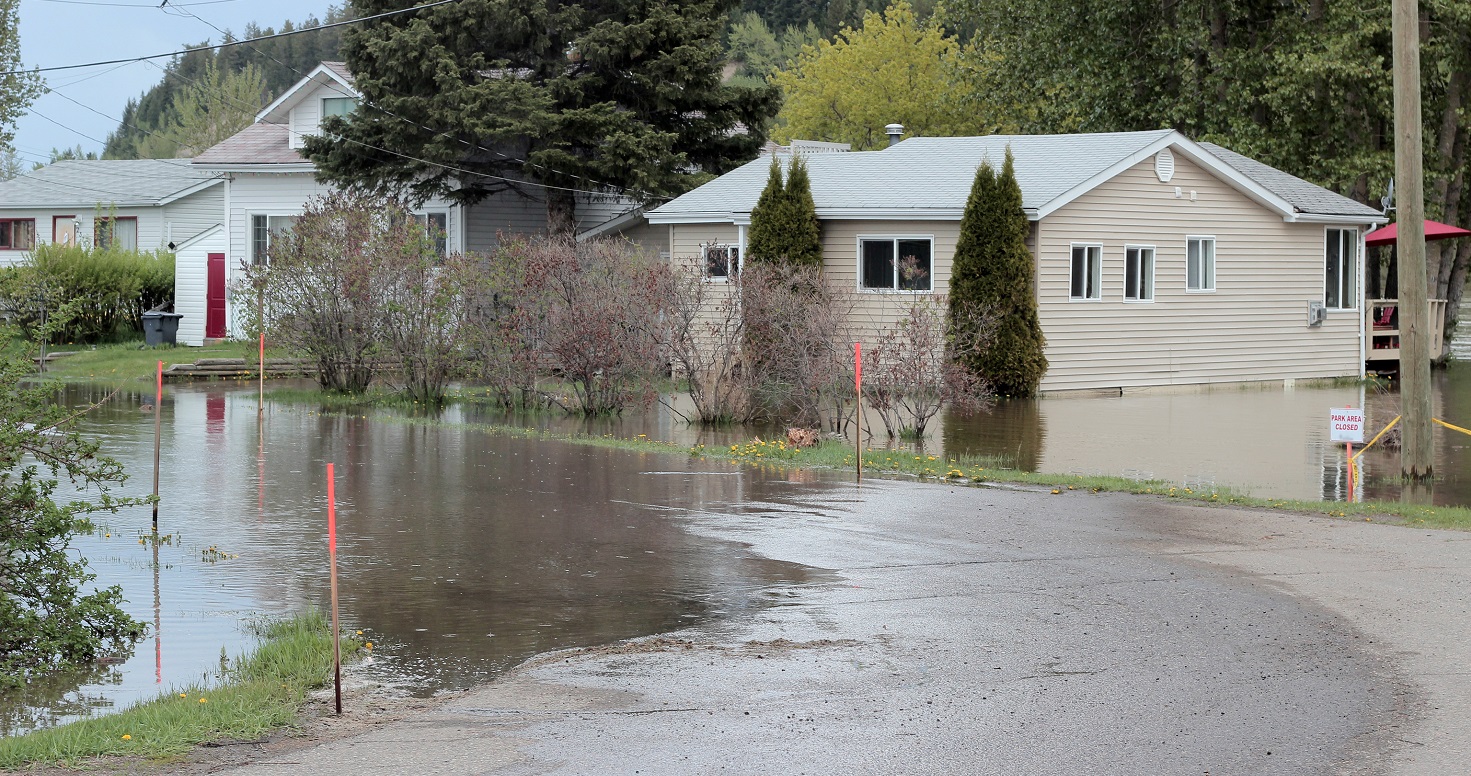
x: 784, y: 226
x: 543, y: 98
x: 991, y: 278
x: 764, y: 239
x: 803, y: 234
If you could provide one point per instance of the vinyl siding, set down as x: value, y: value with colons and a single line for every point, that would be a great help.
x: 286, y: 194
x: 150, y: 226
x: 190, y: 277
x: 192, y: 215
x: 306, y: 115
x: 874, y: 311
x: 505, y: 212
x: 1252, y: 327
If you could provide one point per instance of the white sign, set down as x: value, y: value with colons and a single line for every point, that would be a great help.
x: 1346, y: 424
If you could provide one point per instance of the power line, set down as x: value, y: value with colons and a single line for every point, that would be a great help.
x: 229, y: 44
x: 133, y: 5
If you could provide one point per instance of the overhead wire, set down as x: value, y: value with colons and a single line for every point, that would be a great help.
x: 231, y: 43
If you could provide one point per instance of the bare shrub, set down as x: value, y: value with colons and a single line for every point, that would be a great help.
x: 427, y: 313
x: 704, y: 335
x: 321, y: 290
x: 586, y: 313
x: 797, y: 346
x: 912, y: 371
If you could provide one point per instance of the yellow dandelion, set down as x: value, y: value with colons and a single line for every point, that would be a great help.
x: 127, y: 737
x: 368, y: 645
x: 204, y: 700
x: 183, y: 695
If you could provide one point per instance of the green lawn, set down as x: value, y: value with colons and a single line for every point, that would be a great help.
x: 260, y: 692
x: 131, y: 361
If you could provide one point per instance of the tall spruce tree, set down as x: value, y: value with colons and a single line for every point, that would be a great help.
x: 992, y: 277
x: 544, y: 98
x: 784, y: 226
x: 763, y: 239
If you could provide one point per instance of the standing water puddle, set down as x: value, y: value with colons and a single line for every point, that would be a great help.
x: 460, y: 553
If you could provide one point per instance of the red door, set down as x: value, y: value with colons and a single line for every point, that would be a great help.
x: 214, y: 315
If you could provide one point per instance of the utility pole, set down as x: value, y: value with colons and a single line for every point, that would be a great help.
x: 1416, y: 451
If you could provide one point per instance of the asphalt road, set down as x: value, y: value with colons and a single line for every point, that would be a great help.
x: 981, y: 631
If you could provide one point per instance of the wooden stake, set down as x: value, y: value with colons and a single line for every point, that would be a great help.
x: 858, y: 412
x: 157, y: 442
x: 332, y: 560
x: 1417, y: 450
x: 1349, y: 446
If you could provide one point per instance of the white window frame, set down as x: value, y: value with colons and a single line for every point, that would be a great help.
x: 1146, y: 288
x: 730, y: 271
x: 322, y: 106
x: 422, y: 217
x: 1096, y: 274
x: 1209, y: 287
x: 896, y: 239
x: 1349, y: 278
x: 250, y: 217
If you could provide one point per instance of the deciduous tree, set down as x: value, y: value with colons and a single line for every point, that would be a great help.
x: 215, y: 106
x: 892, y: 69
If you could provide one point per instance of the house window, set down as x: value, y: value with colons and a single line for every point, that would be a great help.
x: 1200, y: 263
x: 1138, y: 274
x: 64, y: 230
x: 338, y: 106
x: 120, y: 233
x: 722, y: 262
x: 17, y: 234
x: 1087, y: 272
x: 895, y: 263
x: 436, y: 226
x: 264, y: 230
x: 1340, y: 277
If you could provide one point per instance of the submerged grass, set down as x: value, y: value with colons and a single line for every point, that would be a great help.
x: 978, y: 471
x: 259, y: 692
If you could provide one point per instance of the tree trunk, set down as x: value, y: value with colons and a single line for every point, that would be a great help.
x: 561, y: 213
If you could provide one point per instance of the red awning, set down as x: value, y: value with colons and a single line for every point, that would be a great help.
x: 1434, y: 230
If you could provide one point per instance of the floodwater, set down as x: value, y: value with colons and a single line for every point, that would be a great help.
x: 463, y: 553
x: 460, y: 553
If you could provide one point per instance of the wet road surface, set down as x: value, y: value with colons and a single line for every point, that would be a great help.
x: 999, y: 632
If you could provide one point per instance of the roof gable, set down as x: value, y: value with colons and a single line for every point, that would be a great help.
x: 327, y: 73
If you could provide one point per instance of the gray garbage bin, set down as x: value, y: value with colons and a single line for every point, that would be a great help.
x: 161, y: 328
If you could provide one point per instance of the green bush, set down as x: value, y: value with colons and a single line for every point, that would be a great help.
x: 100, y: 292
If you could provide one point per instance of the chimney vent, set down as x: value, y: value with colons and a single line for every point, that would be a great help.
x: 895, y: 132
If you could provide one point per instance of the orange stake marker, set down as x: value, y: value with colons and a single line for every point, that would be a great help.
x: 332, y: 560
x: 157, y: 440
x: 262, y: 372
x: 1350, y: 447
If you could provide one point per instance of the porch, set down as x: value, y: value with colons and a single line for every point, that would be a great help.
x: 1381, y: 329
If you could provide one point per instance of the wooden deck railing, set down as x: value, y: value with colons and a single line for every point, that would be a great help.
x: 1381, y: 329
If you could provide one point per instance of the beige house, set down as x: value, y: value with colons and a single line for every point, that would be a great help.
x: 1160, y: 261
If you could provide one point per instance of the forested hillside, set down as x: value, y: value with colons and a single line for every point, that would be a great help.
x: 203, y: 95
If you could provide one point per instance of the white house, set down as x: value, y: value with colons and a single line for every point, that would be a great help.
x: 268, y: 182
x: 1159, y: 261
x: 143, y: 204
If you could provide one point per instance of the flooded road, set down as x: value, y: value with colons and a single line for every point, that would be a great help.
x: 461, y: 553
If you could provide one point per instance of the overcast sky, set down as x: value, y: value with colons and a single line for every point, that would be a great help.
x: 64, y: 32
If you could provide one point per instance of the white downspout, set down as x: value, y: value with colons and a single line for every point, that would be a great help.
x: 229, y: 249
x: 1363, y: 301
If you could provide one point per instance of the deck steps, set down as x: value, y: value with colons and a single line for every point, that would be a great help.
x: 238, y: 369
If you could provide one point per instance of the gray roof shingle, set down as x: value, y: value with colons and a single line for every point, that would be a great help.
x: 340, y: 68
x: 934, y: 175
x: 259, y: 143
x: 75, y: 182
x: 1306, y: 197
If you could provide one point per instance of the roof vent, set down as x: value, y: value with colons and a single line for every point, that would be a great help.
x: 1164, y: 165
x: 895, y: 132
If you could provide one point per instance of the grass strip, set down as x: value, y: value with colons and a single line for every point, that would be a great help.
x: 129, y: 361
x: 259, y: 692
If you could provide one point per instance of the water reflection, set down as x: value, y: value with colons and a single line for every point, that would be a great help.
x: 460, y: 552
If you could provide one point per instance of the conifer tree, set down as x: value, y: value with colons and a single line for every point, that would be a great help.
x: 763, y: 240
x: 803, y: 234
x: 784, y: 225
x: 991, y: 277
